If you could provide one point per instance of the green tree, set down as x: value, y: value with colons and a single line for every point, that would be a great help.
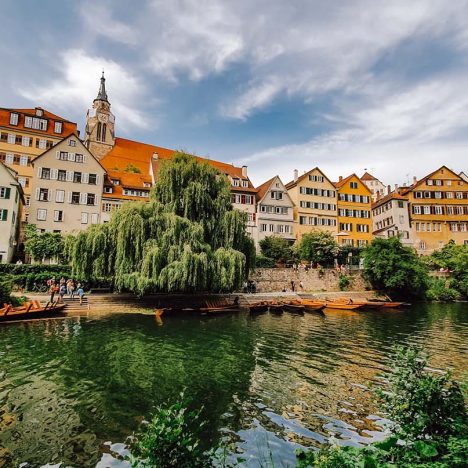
x: 275, y: 247
x: 186, y: 238
x: 391, y: 267
x: 318, y: 247
x: 43, y: 246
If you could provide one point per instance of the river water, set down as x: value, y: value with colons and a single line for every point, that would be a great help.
x: 72, y: 390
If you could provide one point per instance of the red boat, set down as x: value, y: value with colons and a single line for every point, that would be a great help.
x: 30, y: 310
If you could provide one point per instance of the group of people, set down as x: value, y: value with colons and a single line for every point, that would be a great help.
x: 250, y: 287
x: 63, y: 287
x: 306, y: 266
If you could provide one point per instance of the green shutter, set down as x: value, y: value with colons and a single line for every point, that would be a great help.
x: 4, y: 215
x: 7, y: 194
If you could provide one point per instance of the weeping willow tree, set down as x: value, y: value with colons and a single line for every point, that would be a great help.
x: 186, y: 238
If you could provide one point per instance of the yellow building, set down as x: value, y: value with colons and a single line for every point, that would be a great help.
x: 438, y: 210
x: 354, y: 212
x: 24, y: 135
x: 314, y: 197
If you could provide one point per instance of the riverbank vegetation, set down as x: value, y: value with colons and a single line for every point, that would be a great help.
x: 186, y: 238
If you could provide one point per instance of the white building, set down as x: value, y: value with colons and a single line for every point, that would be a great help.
x: 390, y: 217
x: 275, y: 212
x: 376, y: 187
x: 11, y: 203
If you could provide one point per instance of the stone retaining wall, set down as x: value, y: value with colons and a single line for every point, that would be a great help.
x: 274, y: 279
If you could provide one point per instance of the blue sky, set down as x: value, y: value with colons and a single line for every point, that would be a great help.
x: 276, y: 85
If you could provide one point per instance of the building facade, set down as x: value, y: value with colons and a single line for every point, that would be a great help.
x: 11, y: 203
x: 275, y: 212
x: 438, y: 210
x: 315, y: 203
x: 376, y: 187
x: 354, y: 212
x: 390, y: 218
x: 24, y: 135
x: 67, y: 188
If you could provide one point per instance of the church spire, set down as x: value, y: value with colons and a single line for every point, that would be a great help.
x: 102, y: 95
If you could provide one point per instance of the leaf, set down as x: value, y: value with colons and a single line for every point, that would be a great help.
x: 425, y: 449
x: 387, y: 444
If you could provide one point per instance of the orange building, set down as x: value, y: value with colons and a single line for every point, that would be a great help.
x: 438, y: 210
x: 354, y: 212
x: 24, y: 135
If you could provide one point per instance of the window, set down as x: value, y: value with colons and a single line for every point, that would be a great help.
x: 58, y: 216
x: 25, y: 141
x: 77, y: 177
x: 91, y: 199
x: 115, y: 182
x: 45, y: 173
x: 43, y: 194
x: 235, y: 182
x: 42, y: 144
x: 422, y: 245
x: 34, y: 122
x: 3, y: 215
x: 94, y: 218
x: 438, y: 182
x: 462, y: 227
x: 92, y: 179
x: 449, y: 183
x: 263, y: 227
x: 62, y: 175
x: 427, y: 209
x: 416, y: 209
x: 71, y: 157
x: 437, y: 194
x: 104, y: 131
x: 75, y: 198
x: 14, y: 117
x: 5, y: 192
x: 71, y: 142
x: 41, y: 214
x: 79, y: 158
x: 417, y: 227
x: 454, y: 227
x: 429, y: 182
x: 448, y: 194
x: 9, y: 158
x: 449, y: 210
x: 302, y: 220
x: 353, y: 185
x: 459, y: 195
x: 362, y: 228
x: 438, y: 210
x: 245, y: 183
x: 145, y: 184
x: 58, y: 127
x: 84, y: 218
x: 362, y: 243
x: 11, y: 139
x: 24, y: 160
x: 276, y: 195
x: 60, y: 196
x: 63, y: 156
x: 107, y: 189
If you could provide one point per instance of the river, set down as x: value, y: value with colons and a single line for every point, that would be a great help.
x: 72, y: 390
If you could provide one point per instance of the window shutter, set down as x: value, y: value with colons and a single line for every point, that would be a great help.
x: 7, y: 192
x: 57, y: 154
x: 50, y: 196
x: 69, y: 176
x: 83, y: 198
x: 85, y: 178
x: 37, y: 194
x: 69, y: 197
x: 54, y: 174
x: 4, y: 215
x: 84, y: 158
x: 39, y: 172
x: 97, y: 179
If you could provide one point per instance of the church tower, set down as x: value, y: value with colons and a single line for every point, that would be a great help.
x: 100, y: 122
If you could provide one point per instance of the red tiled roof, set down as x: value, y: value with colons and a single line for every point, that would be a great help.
x: 367, y: 176
x: 67, y: 126
x: 293, y: 183
x: 391, y: 196
x: 263, y: 189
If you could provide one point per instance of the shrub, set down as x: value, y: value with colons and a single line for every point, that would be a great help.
x: 5, y: 291
x: 318, y: 247
x: 275, y: 247
x: 264, y: 262
x: 171, y: 438
x: 439, y: 291
x: 14, y: 269
x: 343, y: 282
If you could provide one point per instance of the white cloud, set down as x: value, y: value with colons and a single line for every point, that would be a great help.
x: 78, y: 83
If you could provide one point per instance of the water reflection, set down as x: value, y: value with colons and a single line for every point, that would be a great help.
x: 72, y: 390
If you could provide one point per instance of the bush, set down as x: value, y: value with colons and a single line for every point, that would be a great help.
x: 318, y: 247
x: 439, y: 291
x: 5, y: 291
x: 429, y: 416
x: 14, y: 269
x: 171, y: 438
x: 275, y: 247
x: 343, y: 282
x: 264, y: 262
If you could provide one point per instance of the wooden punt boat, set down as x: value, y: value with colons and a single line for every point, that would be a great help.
x: 294, y: 308
x: 393, y: 304
x: 275, y: 308
x: 30, y: 310
x: 342, y: 306
x: 258, y: 307
x: 312, y: 306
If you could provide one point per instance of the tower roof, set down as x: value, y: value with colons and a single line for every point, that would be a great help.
x: 102, y: 95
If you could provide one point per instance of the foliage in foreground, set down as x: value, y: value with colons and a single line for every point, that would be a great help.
x: 187, y: 238
x: 395, y: 269
x: 429, y: 422
x: 318, y: 247
x: 171, y: 438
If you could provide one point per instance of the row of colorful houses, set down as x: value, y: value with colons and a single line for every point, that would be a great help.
x: 53, y: 178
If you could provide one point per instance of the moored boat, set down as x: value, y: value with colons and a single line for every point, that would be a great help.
x: 275, y: 308
x: 294, y: 308
x: 312, y: 306
x: 342, y: 306
x: 30, y: 310
x: 258, y: 307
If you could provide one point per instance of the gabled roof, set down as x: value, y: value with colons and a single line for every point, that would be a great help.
x: 420, y: 181
x: 367, y: 176
x: 263, y: 189
x: 342, y: 182
x: 391, y: 196
x: 293, y: 183
x: 67, y: 126
x: 14, y: 177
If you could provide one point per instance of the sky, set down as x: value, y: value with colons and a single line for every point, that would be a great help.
x: 275, y: 85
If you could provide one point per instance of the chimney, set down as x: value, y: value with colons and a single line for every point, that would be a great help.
x: 244, y: 171
x: 296, y: 173
x: 396, y: 188
x: 378, y: 195
x: 389, y: 189
x: 415, y: 180
x: 155, y: 156
x: 340, y: 178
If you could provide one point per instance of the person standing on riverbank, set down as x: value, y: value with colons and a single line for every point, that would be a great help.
x: 80, y: 292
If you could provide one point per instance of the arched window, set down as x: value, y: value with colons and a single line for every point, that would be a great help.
x: 98, y: 135
x: 103, y: 135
